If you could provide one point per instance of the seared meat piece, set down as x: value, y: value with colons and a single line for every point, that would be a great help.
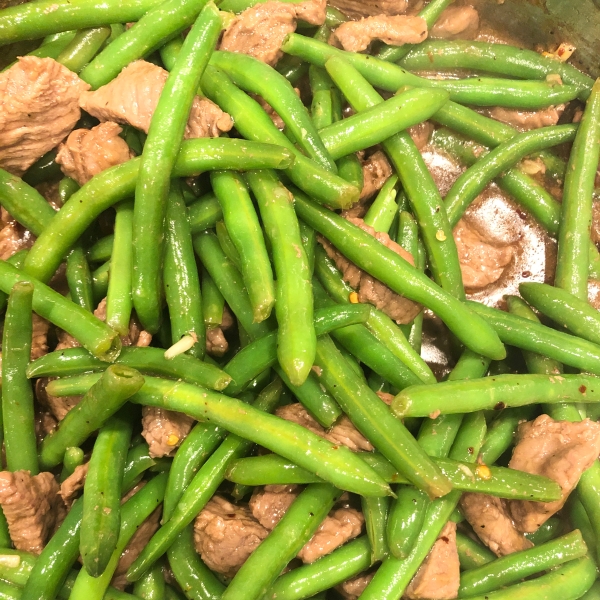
x: 14, y: 237
x: 225, y: 535
x: 216, y: 343
x: 133, y: 95
x: 38, y: 108
x: 73, y: 484
x: 356, y: 9
x: 524, y: 120
x: 356, y: 36
x: 491, y: 521
x: 351, y: 589
x: 483, y: 260
x: 343, y: 432
x: 371, y: 290
x: 456, y: 22
x: 420, y: 133
x: 164, y: 430
x: 595, y: 231
x: 45, y: 423
x: 87, y: 152
x: 39, y: 339
x: 439, y: 575
x: 136, y: 544
x: 32, y: 508
x: 376, y: 171
x: 270, y: 504
x: 557, y: 449
x: 260, y: 30
x: 59, y: 406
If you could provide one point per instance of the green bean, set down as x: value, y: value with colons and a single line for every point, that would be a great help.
x: 138, y: 461
x: 469, y: 366
x: 73, y: 458
x: 472, y: 554
x: 117, y: 384
x: 204, y: 213
x: 309, y: 243
x: 243, y: 226
x: 570, y: 581
x: 24, y: 203
x: 57, y: 558
x: 190, y: 456
x: 229, y: 281
x: 473, y: 181
x: 17, y: 395
x: 133, y: 513
x: 494, y: 58
x: 376, y: 123
x: 547, y: 531
x: 227, y: 245
x: 375, y: 511
x: 494, y: 393
x: 181, y: 279
x: 430, y: 13
x: 373, y: 419
x: 43, y: 169
x: 102, y: 493
x: 152, y: 585
x: 382, y: 212
x: 119, y: 182
x: 480, y: 91
x: 255, y: 76
x: 405, y: 520
x: 171, y: 594
x: 416, y: 180
x: 253, y: 123
x: 194, y: 577
x: 296, y: 527
x: 501, y: 433
x: 79, y: 279
x: 296, y: 339
x: 47, y: 17
x: 321, y: 109
x: 387, y: 266
x: 436, y: 436
x: 160, y: 151
x: 100, y: 279
x: 579, y: 519
x: 593, y: 593
x: 84, y: 46
x: 52, y: 45
x: 213, y: 302
x: 345, y: 562
x: 75, y: 361
x: 16, y: 260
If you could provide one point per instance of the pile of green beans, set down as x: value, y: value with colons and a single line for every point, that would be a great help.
x: 214, y: 248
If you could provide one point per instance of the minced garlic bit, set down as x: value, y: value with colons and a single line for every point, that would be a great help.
x: 12, y: 561
x: 440, y: 236
x: 183, y: 345
x: 532, y: 167
x: 353, y: 297
x: 483, y: 472
x: 554, y: 79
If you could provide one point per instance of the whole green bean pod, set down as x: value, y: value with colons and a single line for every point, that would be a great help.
x: 416, y: 180
x: 382, y: 212
x: 480, y: 91
x: 73, y: 458
x: 593, y: 593
x: 321, y: 108
x: 472, y: 554
x: 244, y: 228
x: 193, y: 576
x: 83, y: 47
x: 576, y: 213
x: 102, y: 493
x: 375, y: 511
x: 547, y: 531
x: 227, y: 245
x: 296, y: 338
x: 181, y: 278
x: 100, y: 282
x: 213, y: 302
x: 79, y: 279
x: 116, y: 385
x: 296, y: 527
x: 405, y: 520
x: 152, y: 585
x: 17, y: 395
x: 387, y: 266
x: 52, y: 45
x: 373, y: 419
x: 119, y: 300
x: 305, y: 581
x: 160, y: 153
x: 204, y: 213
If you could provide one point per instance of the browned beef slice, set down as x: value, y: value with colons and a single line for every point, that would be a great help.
x: 260, y: 30
x: 439, y: 575
x: 39, y: 339
x: 376, y: 171
x: 420, y: 133
x: 559, y: 450
x: 358, y: 8
x: 491, y: 521
x: 216, y: 343
x: 14, y: 237
x: 73, y: 484
x: 164, y: 430
x: 524, y: 120
x: 133, y: 95
x: 45, y: 423
x: 351, y: 589
x: 87, y: 152
x: 356, y: 36
x: 32, y: 508
x: 225, y: 535
x: 456, y: 22
x: 59, y: 406
x: 271, y: 503
x: 38, y: 108
x: 371, y: 290
x: 343, y: 432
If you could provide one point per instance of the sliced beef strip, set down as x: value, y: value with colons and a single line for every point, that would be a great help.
x: 376, y: 171
x: 14, y: 237
x: 216, y: 342
x: 420, y: 133
x: 164, y: 430
x: 38, y: 108
x: 439, y: 575
x: 351, y: 589
x: 259, y: 31
x: 559, y: 450
x: 595, y: 230
x: 271, y: 503
x: 525, y: 120
x: 32, y: 508
x: 225, y: 535
x: 39, y: 339
x: 45, y: 423
x: 355, y: 36
x: 133, y: 95
x: 73, y: 484
x: 456, y: 22
x: 371, y: 290
x: 87, y: 152
x: 343, y: 432
x: 357, y: 9
x: 58, y: 406
x: 491, y: 521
